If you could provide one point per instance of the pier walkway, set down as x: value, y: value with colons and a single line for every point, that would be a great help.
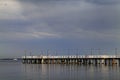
x: 72, y: 59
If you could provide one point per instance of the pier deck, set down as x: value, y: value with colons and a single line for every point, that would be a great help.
x: 72, y: 59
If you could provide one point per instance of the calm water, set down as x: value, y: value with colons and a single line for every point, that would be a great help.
x: 19, y: 71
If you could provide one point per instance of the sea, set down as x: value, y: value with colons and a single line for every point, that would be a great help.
x: 15, y: 70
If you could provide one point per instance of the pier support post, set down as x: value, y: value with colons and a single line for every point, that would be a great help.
x: 42, y: 61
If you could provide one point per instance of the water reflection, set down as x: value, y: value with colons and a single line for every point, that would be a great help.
x: 71, y: 72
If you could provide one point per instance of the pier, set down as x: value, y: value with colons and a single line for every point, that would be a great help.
x: 72, y: 59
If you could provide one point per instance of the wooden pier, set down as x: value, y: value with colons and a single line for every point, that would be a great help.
x: 73, y: 59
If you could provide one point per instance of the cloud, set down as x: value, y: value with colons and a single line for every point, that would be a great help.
x: 10, y: 9
x: 81, y: 19
x: 26, y: 35
x: 104, y: 2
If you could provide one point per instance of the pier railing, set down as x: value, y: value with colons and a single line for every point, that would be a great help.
x: 73, y: 56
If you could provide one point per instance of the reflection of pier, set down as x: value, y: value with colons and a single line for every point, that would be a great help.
x: 73, y: 59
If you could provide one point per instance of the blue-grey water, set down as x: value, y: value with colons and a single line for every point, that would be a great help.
x: 17, y: 71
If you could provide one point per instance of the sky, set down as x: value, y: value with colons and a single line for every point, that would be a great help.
x: 61, y: 25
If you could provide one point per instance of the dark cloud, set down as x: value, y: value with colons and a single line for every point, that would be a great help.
x: 13, y: 25
x: 70, y: 18
x: 72, y: 15
x: 104, y: 2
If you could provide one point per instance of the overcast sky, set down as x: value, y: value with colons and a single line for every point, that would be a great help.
x: 36, y: 25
